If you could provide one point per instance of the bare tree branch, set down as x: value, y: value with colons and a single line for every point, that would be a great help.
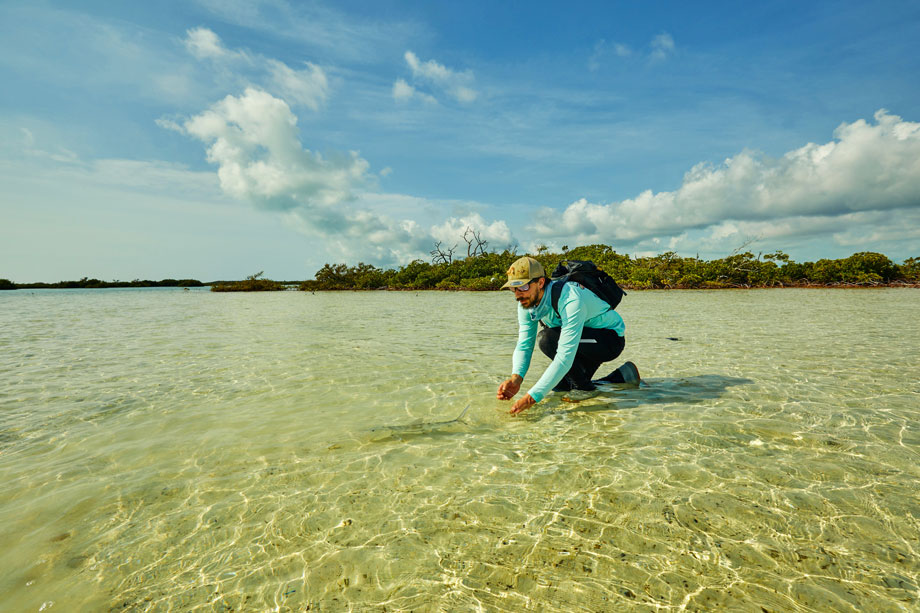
x: 442, y: 256
x: 472, y: 236
x: 745, y: 244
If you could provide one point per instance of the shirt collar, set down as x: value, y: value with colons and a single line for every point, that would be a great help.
x: 543, y: 308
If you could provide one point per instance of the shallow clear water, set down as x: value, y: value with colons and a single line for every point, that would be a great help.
x: 171, y: 450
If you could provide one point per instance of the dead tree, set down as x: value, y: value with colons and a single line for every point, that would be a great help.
x: 744, y: 245
x: 475, y: 245
x: 442, y: 256
x: 742, y: 263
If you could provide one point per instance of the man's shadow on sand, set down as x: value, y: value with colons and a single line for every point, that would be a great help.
x: 654, y: 391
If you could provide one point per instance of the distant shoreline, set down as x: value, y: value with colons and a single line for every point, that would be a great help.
x: 637, y: 289
x: 87, y: 283
x: 297, y: 286
x: 485, y: 271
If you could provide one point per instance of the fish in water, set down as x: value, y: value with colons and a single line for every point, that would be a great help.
x: 421, y: 427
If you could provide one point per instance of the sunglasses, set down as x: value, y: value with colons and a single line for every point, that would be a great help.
x: 522, y: 288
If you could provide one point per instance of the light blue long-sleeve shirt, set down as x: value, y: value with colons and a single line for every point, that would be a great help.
x: 578, y: 308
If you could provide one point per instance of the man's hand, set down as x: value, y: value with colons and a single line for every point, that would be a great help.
x: 523, y: 404
x: 509, y: 387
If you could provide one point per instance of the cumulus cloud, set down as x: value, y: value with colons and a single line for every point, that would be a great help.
x: 253, y: 140
x: 860, y: 231
x: 308, y: 86
x: 451, y: 230
x: 869, y: 167
x: 437, y: 78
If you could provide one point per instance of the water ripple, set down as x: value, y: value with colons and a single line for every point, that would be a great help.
x: 168, y: 450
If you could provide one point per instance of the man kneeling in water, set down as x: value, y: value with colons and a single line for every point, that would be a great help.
x: 585, y: 333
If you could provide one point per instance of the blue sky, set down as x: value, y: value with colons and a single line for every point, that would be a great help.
x: 214, y: 139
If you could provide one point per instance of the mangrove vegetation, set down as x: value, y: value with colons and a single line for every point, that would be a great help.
x: 252, y: 283
x: 88, y: 283
x: 486, y: 271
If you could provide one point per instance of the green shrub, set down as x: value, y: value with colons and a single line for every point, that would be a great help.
x: 253, y: 283
x: 487, y: 271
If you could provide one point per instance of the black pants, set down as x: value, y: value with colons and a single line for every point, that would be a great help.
x: 602, y: 346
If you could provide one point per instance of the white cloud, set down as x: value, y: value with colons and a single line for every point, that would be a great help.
x: 253, y: 140
x: 603, y: 49
x: 308, y: 86
x: 662, y: 46
x: 204, y: 43
x: 874, y: 227
x: 622, y: 50
x: 402, y: 91
x: 348, y: 36
x: 451, y: 232
x: 464, y: 94
x: 443, y: 80
x: 125, y: 219
x: 430, y: 70
x: 29, y: 147
x: 868, y: 167
x: 169, y: 124
x: 824, y: 236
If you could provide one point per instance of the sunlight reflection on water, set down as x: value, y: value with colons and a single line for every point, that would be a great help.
x: 169, y: 450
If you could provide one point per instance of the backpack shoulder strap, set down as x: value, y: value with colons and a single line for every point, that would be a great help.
x: 555, y: 291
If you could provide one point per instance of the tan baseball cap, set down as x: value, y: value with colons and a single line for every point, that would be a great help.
x: 523, y: 271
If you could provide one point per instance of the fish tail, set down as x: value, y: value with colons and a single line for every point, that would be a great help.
x: 462, y: 413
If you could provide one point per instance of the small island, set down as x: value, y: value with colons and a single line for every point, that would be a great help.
x: 89, y: 283
x: 252, y: 283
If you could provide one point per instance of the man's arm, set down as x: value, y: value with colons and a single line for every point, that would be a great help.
x: 572, y: 314
x: 520, y: 360
x: 527, y: 338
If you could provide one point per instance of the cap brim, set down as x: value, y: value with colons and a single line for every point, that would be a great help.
x: 515, y: 283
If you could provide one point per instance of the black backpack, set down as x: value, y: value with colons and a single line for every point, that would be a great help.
x: 588, y: 275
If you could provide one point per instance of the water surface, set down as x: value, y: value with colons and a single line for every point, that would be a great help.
x: 169, y: 450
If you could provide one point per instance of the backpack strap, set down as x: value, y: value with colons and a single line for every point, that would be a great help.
x: 555, y: 290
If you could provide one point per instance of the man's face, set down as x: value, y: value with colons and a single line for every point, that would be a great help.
x: 529, y: 295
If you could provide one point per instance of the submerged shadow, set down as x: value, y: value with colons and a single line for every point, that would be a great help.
x: 663, y: 390
x: 404, y: 434
x: 418, y: 429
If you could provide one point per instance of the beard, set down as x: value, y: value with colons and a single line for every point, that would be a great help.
x: 527, y: 302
